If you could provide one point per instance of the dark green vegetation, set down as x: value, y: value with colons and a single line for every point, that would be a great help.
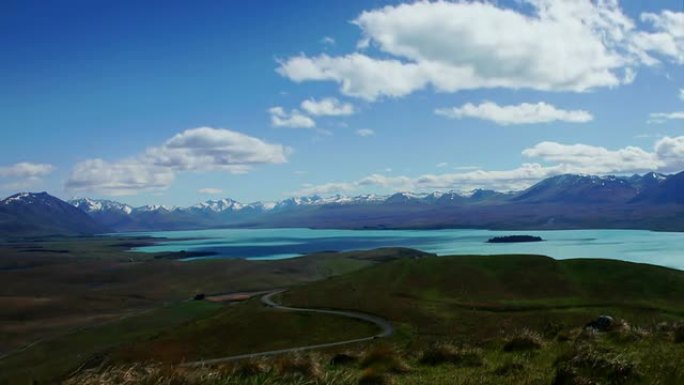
x: 476, y: 298
x: 71, y: 299
x: 515, y: 319
x: 515, y: 239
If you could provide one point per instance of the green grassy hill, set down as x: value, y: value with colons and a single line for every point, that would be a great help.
x: 479, y: 297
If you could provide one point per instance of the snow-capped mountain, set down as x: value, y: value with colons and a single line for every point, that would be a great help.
x: 218, y: 206
x: 152, y: 208
x: 40, y: 213
x: 562, y: 195
x: 94, y: 205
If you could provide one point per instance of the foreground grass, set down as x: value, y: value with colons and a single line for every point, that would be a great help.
x: 625, y: 355
x: 513, y: 319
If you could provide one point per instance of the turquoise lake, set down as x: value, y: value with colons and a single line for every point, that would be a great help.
x: 659, y: 248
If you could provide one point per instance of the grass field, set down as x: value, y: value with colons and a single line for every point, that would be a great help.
x: 79, y: 296
x: 463, y: 320
x: 133, y: 316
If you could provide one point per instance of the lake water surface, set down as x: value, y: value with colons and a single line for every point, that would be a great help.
x: 660, y: 248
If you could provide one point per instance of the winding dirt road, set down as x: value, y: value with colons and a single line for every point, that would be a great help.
x: 385, y: 326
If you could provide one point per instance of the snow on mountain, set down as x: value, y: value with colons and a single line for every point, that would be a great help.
x: 99, y: 205
x: 220, y: 205
x: 17, y: 198
x: 152, y: 208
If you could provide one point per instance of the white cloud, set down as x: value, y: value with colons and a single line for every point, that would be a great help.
x: 357, y: 74
x: 327, y: 188
x: 327, y: 107
x: 363, y: 132
x: 452, y: 46
x: 26, y: 170
x: 524, y: 113
x: 681, y: 94
x: 207, y: 148
x: 292, y: 119
x: 197, y: 149
x: 23, y: 175
x: 667, y: 39
x: 556, y: 159
x: 442, y: 164
x: 671, y: 152
x: 662, y: 117
x: 125, y: 177
x: 327, y: 40
x: 210, y: 191
x: 594, y: 159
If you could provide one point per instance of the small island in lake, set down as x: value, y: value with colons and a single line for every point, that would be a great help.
x: 515, y: 239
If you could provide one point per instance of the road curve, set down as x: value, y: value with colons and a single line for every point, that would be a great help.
x: 267, y: 299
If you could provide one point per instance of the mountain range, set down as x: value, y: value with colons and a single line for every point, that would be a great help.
x: 650, y: 201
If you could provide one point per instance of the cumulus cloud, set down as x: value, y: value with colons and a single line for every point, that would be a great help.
x: 327, y: 188
x: 452, y: 46
x: 524, y: 113
x: 210, y: 191
x: 23, y: 175
x: 327, y: 107
x: 197, y: 149
x: 671, y: 152
x: 662, y: 117
x: 595, y: 159
x: 553, y: 159
x: 207, y: 148
x: 26, y: 170
x: 125, y: 177
x: 667, y: 38
x: 292, y: 119
x: 363, y: 132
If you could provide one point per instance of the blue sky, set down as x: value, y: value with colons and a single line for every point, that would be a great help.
x: 175, y: 102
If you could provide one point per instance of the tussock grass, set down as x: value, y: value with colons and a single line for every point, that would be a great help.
x: 385, y: 358
x: 442, y: 353
x: 344, y: 358
x: 587, y: 364
x: 374, y: 376
x: 307, y: 366
x: 524, y: 340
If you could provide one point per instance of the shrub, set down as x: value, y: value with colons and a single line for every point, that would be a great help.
x: 445, y: 353
x: 251, y: 367
x: 384, y: 357
x: 340, y: 359
x: 509, y: 368
x: 372, y: 376
x: 587, y: 365
x: 678, y: 333
x: 524, y: 340
x: 303, y: 365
